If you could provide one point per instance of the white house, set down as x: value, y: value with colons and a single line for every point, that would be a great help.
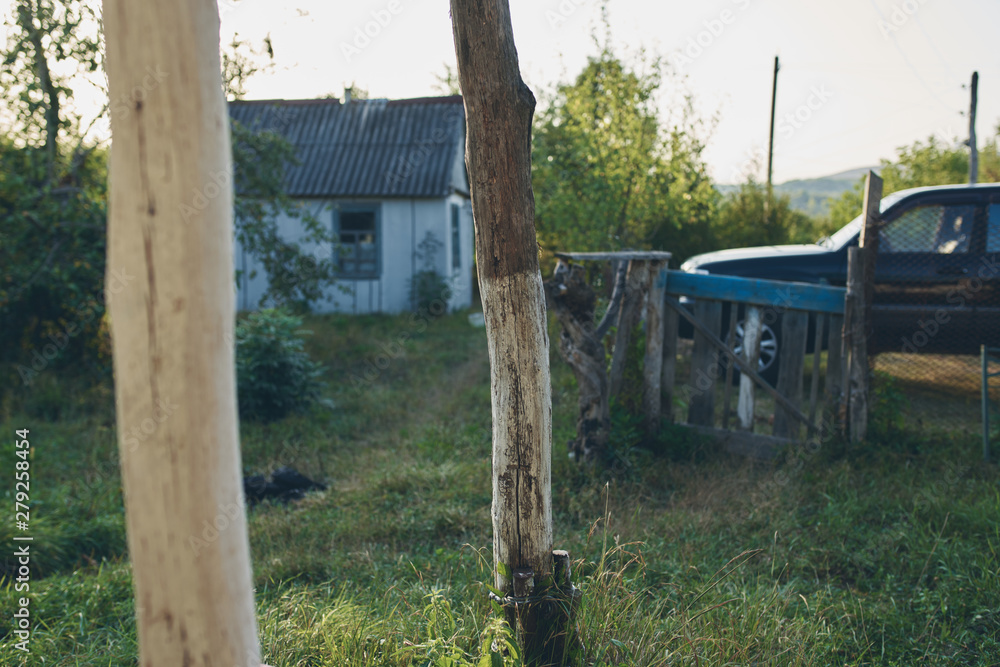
x: 387, y: 175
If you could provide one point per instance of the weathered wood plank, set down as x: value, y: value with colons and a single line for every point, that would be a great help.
x: 868, y: 241
x: 573, y: 301
x: 769, y: 293
x: 794, y: 334
x: 751, y: 353
x: 653, y: 362
x: 628, y: 317
x: 743, y: 366
x: 820, y: 321
x: 669, y: 369
x: 727, y: 387
x: 857, y: 378
x: 645, y: 255
x: 834, y: 373
x: 704, y: 365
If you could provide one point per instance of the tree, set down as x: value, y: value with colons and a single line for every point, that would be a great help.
x: 52, y: 189
x: 741, y: 222
x: 173, y: 339
x: 608, y: 175
x: 296, y: 278
x: 930, y: 162
x: 53, y: 193
x: 498, y: 111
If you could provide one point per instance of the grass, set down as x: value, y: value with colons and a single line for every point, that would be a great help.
x: 882, y: 555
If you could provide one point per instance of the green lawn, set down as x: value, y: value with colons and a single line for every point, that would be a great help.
x: 884, y: 555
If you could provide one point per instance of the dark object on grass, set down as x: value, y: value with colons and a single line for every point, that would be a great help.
x: 286, y: 484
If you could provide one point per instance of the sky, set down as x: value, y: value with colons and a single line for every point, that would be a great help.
x: 858, y: 78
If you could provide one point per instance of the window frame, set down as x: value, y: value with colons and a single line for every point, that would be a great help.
x: 990, y: 206
x: 970, y: 238
x: 338, y: 211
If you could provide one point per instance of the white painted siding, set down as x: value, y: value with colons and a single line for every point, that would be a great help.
x: 402, y: 225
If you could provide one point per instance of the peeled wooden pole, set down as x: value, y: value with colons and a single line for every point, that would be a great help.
x: 170, y: 225
x: 498, y: 109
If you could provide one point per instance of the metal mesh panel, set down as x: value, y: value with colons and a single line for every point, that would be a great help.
x: 936, y: 300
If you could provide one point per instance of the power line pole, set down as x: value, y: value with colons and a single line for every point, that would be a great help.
x: 770, y: 141
x: 973, y: 151
x: 770, y: 144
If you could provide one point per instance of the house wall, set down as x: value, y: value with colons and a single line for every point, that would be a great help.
x: 402, y: 225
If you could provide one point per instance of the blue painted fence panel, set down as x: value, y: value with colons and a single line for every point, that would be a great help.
x: 754, y: 291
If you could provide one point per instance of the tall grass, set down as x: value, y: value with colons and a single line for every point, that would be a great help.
x: 882, y: 555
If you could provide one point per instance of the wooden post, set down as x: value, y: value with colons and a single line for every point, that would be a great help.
x: 652, y: 367
x: 498, y: 111
x: 856, y: 392
x: 628, y: 317
x: 834, y: 375
x: 668, y: 370
x: 172, y: 336
x: 573, y: 302
x: 794, y: 335
x: 973, y: 149
x: 727, y: 386
x: 820, y: 321
x: 751, y: 353
x: 705, y: 367
x: 869, y: 244
x: 863, y: 281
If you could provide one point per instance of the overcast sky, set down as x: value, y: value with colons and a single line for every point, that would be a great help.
x: 858, y: 77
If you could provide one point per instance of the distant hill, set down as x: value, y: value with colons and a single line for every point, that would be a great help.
x: 812, y: 195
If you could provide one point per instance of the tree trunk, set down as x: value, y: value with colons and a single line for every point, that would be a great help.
x: 498, y: 110
x: 574, y: 303
x: 628, y: 318
x: 172, y: 331
x: 652, y: 365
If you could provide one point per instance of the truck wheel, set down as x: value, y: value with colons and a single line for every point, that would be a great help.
x: 767, y: 366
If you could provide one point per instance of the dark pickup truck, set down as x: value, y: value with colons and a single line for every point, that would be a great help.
x: 937, y: 275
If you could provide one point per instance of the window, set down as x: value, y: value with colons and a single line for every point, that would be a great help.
x: 456, y: 238
x: 932, y: 229
x: 993, y: 230
x: 357, y: 230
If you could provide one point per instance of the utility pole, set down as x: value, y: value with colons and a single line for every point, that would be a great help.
x: 770, y: 143
x: 973, y: 151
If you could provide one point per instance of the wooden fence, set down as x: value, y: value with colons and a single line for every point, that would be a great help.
x: 803, y: 310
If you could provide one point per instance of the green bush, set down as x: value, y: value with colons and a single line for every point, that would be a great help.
x: 274, y: 374
x: 429, y: 293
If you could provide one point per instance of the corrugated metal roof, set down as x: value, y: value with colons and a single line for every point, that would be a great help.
x: 364, y: 148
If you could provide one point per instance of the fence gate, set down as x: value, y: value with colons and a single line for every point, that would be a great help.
x: 728, y: 316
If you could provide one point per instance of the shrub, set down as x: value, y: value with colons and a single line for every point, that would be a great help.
x: 429, y: 291
x: 274, y: 374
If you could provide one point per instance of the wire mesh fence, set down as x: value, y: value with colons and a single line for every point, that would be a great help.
x: 936, y: 301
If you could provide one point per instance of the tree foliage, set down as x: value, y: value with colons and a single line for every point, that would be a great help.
x: 608, y: 174
x: 930, y: 162
x: 746, y: 218
x: 52, y: 192
x: 296, y: 277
